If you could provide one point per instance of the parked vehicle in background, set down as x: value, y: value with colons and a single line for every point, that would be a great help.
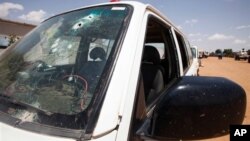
x: 111, y: 72
x: 206, y: 54
x: 220, y: 55
x: 241, y: 55
x: 4, y: 42
x: 200, y: 55
x: 248, y: 53
x: 203, y: 54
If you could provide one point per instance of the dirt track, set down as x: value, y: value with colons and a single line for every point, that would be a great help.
x: 237, y: 71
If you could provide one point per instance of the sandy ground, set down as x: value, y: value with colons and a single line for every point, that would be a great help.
x: 237, y: 71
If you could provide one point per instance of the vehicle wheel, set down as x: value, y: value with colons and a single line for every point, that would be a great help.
x: 248, y: 59
x: 237, y: 58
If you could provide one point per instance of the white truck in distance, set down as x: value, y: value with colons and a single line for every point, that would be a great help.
x: 95, y: 73
x: 203, y: 54
x: 241, y: 55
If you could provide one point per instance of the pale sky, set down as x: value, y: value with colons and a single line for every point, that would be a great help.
x: 208, y: 24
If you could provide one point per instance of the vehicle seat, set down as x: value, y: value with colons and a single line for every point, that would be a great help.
x: 92, y: 69
x: 98, y: 52
x: 152, y: 73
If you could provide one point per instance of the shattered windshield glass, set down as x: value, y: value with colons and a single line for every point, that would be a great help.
x: 53, y: 73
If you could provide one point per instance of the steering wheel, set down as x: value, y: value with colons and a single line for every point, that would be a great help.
x: 75, y: 79
x: 29, y: 75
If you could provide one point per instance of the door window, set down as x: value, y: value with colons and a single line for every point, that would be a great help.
x: 158, y: 69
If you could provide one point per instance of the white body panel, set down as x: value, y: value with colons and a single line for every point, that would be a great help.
x: 124, y: 79
x: 9, y: 133
x: 193, y: 70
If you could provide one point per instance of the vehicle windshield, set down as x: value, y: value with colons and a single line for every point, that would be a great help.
x: 51, y: 76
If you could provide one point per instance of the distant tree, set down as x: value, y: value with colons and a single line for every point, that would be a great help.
x: 228, y: 53
x: 13, y: 39
x: 218, y: 51
x: 212, y: 54
x: 248, y: 52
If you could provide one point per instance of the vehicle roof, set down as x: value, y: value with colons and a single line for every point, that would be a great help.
x: 134, y: 4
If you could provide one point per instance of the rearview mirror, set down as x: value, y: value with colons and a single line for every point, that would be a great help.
x: 3, y: 46
x: 198, y: 108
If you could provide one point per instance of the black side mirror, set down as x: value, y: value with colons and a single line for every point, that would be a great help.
x: 198, y: 108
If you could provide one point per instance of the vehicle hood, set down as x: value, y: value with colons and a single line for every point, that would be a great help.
x: 9, y: 133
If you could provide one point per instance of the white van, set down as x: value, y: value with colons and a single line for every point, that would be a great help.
x: 95, y: 73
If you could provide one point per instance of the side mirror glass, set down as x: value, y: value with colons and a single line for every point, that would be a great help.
x: 198, y: 108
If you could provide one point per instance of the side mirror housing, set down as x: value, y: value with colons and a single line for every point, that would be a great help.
x: 198, y: 108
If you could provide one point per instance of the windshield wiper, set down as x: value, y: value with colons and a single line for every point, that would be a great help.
x: 9, y: 99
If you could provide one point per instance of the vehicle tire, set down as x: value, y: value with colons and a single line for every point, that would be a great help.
x: 236, y: 58
x: 249, y: 59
